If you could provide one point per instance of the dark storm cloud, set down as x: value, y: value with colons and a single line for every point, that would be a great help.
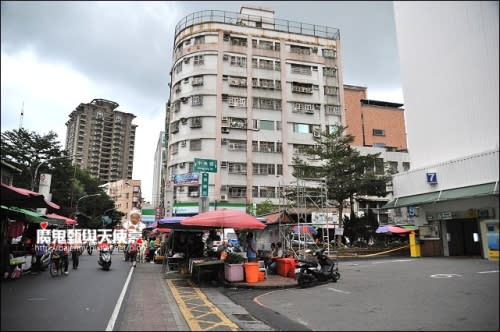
x: 129, y: 44
x: 367, y: 33
x: 125, y: 44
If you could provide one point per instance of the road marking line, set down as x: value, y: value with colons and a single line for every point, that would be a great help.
x: 494, y: 271
x: 445, y: 275
x: 338, y: 290
x: 256, y: 299
x: 192, y: 315
x: 116, y: 311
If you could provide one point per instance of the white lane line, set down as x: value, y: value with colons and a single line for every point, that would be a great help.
x: 338, y: 290
x: 494, y: 271
x: 114, y: 315
x: 393, y: 261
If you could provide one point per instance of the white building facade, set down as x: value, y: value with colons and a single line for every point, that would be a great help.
x: 449, y: 68
x: 247, y: 90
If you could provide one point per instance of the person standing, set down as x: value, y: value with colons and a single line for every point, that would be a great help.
x: 251, y: 248
x: 132, y: 252
x: 76, y: 250
x: 152, y: 250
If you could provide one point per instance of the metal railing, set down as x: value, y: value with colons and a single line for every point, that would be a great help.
x: 233, y: 18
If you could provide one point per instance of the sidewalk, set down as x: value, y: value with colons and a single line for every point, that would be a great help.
x: 148, y: 304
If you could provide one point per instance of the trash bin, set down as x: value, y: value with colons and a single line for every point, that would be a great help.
x: 251, y: 272
x: 281, y: 267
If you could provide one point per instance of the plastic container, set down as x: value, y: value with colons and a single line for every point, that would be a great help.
x: 262, y: 275
x: 281, y: 267
x: 233, y: 272
x: 290, y: 267
x: 251, y: 272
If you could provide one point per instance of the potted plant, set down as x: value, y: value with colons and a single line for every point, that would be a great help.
x: 233, y: 267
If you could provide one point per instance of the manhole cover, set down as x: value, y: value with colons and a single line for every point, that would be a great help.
x: 244, y: 317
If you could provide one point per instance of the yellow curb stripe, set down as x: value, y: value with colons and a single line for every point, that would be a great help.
x: 193, y: 293
x: 384, y: 252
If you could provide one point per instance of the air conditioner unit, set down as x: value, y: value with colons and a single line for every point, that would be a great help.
x: 223, y: 164
x: 225, y: 130
x: 194, y: 194
x: 316, y: 133
x: 184, y: 120
x: 225, y: 119
x: 224, y: 141
x: 182, y: 165
x: 225, y: 57
x: 184, y: 100
x: 223, y: 197
x: 309, y: 111
x: 186, y: 60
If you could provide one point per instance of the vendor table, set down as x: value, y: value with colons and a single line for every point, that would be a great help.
x: 212, y: 265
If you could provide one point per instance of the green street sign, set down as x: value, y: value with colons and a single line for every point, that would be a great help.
x: 205, y: 165
x: 204, y: 184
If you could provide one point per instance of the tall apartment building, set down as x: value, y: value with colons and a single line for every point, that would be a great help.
x: 101, y: 139
x: 377, y: 127
x: 451, y: 93
x: 247, y: 90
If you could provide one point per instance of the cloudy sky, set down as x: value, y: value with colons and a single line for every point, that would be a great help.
x: 56, y: 55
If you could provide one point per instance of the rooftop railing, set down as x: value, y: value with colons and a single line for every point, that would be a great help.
x: 259, y: 22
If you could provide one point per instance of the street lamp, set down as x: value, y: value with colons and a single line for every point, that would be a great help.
x: 78, y: 201
x: 33, y: 180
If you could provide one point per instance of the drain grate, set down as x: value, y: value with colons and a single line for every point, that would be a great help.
x: 245, y: 317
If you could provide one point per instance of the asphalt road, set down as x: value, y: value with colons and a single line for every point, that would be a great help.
x: 83, y: 300
x: 409, y: 294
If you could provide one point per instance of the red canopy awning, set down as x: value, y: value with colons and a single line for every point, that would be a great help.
x: 24, y: 198
x: 224, y: 218
x: 67, y: 221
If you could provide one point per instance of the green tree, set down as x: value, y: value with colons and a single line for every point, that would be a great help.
x: 30, y: 150
x: 345, y: 171
x: 265, y: 207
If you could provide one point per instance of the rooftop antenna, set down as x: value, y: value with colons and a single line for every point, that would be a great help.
x: 21, y: 119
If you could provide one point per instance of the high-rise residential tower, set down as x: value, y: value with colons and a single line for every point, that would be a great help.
x: 247, y: 90
x: 101, y: 139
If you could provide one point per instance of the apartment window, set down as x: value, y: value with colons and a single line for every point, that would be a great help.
x: 199, y: 60
x: 195, y: 145
x: 393, y: 167
x: 301, y: 69
x: 330, y: 71
x: 238, y: 61
x: 234, y: 101
x: 197, y: 100
x: 195, y: 122
x: 238, y: 81
x: 177, y: 106
x: 302, y: 87
x: 302, y: 128
x: 267, y: 192
x: 300, y: 49
x: 199, y: 40
x: 267, y: 103
x: 197, y: 81
x: 266, y: 147
x: 305, y: 107
x: 266, y: 125
x: 331, y: 90
x: 238, y: 192
x: 99, y: 115
x: 263, y: 169
x: 237, y: 145
x: 238, y: 123
x: 175, y: 127
x: 332, y: 110
x: 329, y: 53
x: 406, y: 166
x: 178, y: 68
x: 237, y: 168
x: 378, y: 132
x: 174, y: 148
x: 379, y: 145
x: 236, y: 41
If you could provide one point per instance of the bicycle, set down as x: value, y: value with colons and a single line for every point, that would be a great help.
x: 56, y: 264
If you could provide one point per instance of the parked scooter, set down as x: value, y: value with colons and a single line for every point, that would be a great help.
x: 323, y: 270
x: 104, y: 259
